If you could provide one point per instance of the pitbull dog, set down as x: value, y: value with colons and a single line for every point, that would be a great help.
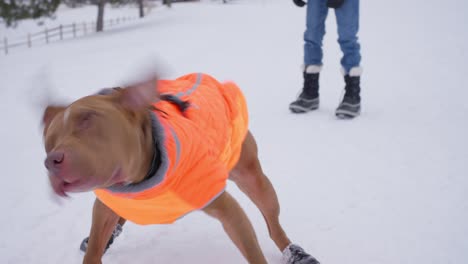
x: 155, y: 151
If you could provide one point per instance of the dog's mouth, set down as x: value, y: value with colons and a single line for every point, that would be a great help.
x: 62, y: 186
x: 64, y: 183
x: 59, y: 186
x: 71, y: 186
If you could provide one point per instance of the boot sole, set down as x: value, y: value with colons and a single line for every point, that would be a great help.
x: 299, y: 109
x: 344, y: 114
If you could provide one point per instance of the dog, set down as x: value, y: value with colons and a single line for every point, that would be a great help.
x: 157, y: 150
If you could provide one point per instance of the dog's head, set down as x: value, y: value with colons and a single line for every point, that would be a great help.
x: 97, y: 141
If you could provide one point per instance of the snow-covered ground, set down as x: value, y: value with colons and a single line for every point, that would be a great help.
x: 389, y: 187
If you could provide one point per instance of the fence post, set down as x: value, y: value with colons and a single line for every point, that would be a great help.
x: 5, y: 41
x: 46, y: 35
x: 61, y: 32
x: 29, y: 40
x: 84, y: 28
x: 74, y: 30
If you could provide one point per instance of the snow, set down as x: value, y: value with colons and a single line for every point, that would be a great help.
x: 388, y: 187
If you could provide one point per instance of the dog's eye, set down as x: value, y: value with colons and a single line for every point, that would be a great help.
x: 85, y: 120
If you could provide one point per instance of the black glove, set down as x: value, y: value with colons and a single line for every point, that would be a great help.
x: 299, y: 3
x: 334, y: 3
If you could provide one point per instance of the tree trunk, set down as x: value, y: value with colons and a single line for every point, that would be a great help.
x: 140, y: 5
x: 100, y: 17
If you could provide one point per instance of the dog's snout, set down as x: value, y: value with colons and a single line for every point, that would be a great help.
x: 54, y: 160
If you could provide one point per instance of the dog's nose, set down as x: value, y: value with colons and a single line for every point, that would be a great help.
x: 54, y: 160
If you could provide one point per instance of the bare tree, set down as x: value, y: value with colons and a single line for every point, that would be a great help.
x: 100, y: 18
x: 167, y: 2
x: 141, y: 7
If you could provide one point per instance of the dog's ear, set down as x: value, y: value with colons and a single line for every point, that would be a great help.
x: 140, y: 95
x: 49, y: 113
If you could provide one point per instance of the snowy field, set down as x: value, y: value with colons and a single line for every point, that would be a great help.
x: 390, y: 187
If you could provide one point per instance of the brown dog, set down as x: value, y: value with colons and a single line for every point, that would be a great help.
x: 108, y: 142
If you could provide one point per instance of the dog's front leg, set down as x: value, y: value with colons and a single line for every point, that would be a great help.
x: 104, y: 222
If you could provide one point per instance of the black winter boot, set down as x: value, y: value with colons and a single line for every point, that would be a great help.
x: 308, y: 100
x: 350, y: 106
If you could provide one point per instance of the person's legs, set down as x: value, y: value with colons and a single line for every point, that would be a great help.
x: 347, y: 19
x: 317, y: 12
x: 308, y: 100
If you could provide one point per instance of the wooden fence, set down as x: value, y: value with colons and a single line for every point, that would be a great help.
x: 61, y: 32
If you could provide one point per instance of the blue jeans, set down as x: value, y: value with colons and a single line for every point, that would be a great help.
x: 347, y: 20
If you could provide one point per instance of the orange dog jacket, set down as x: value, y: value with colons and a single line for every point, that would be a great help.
x: 198, y: 147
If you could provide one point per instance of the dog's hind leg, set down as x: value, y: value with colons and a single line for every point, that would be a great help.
x: 238, y: 227
x: 249, y: 177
